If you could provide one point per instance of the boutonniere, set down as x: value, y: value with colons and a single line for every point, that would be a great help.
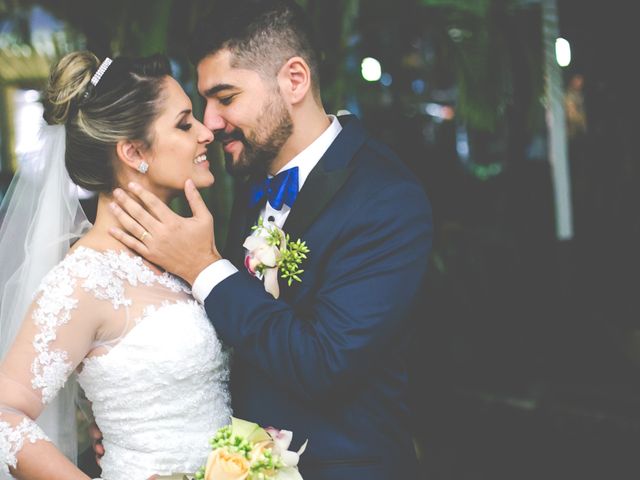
x: 269, y: 252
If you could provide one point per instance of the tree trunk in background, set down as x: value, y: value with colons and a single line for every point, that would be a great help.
x: 557, y: 138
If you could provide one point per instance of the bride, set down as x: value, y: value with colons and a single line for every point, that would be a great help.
x: 132, y: 336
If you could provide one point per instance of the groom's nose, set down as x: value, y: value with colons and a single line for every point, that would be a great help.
x: 212, y: 120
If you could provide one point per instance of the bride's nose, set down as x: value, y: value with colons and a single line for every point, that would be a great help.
x: 204, y: 134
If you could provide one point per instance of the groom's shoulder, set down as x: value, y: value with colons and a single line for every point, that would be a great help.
x: 373, y: 157
x: 379, y: 177
x: 376, y: 163
x: 377, y: 170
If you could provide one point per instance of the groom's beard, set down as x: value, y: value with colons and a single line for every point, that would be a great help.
x: 260, y: 147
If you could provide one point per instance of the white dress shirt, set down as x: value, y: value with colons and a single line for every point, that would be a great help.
x: 305, y: 161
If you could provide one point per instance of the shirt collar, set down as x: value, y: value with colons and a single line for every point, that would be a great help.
x: 310, y: 156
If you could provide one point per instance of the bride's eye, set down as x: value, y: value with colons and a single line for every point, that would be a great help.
x: 184, y: 126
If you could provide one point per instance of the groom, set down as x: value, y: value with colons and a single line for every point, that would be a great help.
x: 327, y: 359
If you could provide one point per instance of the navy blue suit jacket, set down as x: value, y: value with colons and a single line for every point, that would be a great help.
x: 328, y: 359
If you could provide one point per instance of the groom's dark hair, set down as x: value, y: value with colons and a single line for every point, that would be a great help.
x: 260, y: 34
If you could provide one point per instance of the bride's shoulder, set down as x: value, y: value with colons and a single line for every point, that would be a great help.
x: 62, y: 287
x: 87, y: 273
x: 86, y: 261
x: 105, y: 272
x: 85, y: 276
x: 80, y: 263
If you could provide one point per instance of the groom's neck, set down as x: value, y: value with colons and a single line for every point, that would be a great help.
x: 308, y: 125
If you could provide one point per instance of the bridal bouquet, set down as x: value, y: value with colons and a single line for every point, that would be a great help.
x: 245, y: 451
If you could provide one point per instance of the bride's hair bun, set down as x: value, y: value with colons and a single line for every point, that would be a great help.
x: 68, y: 81
x: 122, y: 105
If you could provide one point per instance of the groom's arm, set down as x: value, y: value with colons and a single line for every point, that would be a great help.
x: 370, y: 279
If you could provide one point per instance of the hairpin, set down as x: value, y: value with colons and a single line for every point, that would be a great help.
x: 95, y: 79
x: 101, y: 69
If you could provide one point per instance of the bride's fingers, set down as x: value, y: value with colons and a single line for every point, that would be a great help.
x: 98, y: 449
x: 96, y: 441
x: 94, y: 432
x: 96, y: 445
x: 134, y: 210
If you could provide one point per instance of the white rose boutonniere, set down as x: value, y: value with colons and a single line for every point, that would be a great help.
x: 269, y: 252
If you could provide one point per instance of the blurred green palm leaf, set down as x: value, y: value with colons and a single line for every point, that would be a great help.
x: 478, y: 37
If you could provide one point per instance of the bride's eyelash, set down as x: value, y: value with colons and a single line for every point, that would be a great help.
x: 184, y: 126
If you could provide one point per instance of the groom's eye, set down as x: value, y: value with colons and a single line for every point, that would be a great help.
x: 226, y: 100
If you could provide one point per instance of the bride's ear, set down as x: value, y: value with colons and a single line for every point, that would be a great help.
x: 131, y: 153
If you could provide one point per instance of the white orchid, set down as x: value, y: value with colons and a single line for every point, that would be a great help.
x: 281, y: 441
x: 260, y: 253
x: 268, y: 251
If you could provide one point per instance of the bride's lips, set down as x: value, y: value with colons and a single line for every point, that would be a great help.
x: 201, y: 160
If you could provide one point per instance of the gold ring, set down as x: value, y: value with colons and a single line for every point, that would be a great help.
x: 144, y: 234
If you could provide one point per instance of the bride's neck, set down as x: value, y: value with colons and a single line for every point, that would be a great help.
x: 105, y: 218
x: 98, y: 237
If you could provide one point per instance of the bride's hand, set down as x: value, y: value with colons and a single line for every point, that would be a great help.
x: 96, y: 441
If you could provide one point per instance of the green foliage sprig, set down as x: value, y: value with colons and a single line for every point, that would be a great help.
x: 292, y: 254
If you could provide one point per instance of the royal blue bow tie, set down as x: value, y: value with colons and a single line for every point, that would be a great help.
x: 281, y: 189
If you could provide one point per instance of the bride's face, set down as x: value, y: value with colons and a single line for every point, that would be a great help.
x: 179, y: 149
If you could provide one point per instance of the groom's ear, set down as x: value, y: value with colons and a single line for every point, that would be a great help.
x: 131, y: 153
x: 294, y: 79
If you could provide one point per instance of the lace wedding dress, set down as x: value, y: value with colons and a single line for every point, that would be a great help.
x: 145, y: 355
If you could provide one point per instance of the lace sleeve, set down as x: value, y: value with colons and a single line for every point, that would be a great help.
x: 56, y: 334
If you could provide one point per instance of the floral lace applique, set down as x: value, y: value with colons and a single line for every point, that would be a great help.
x: 51, y: 368
x: 175, y: 351
x: 113, y: 269
x: 12, y: 440
x: 104, y: 275
x: 151, y: 310
x: 173, y: 283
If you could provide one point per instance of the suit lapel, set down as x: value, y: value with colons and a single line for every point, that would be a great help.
x: 326, y: 178
x: 323, y: 183
x: 318, y: 190
x: 242, y: 219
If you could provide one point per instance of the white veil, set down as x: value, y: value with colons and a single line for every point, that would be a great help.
x: 40, y: 217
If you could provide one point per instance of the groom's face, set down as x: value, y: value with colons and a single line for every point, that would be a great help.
x: 248, y: 116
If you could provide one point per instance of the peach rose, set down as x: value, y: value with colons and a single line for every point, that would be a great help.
x: 223, y: 465
x: 259, y: 448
